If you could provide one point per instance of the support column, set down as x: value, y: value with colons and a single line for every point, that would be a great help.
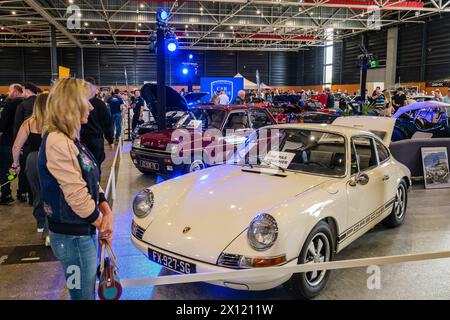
x: 161, y: 77
x: 54, y: 54
x: 391, y: 57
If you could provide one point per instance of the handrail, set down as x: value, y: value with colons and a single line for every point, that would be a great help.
x: 111, y: 184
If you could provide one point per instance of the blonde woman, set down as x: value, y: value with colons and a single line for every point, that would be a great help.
x: 388, y: 107
x: 72, y: 198
x: 29, y: 135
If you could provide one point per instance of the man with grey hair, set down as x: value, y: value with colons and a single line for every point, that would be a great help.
x: 13, y: 99
x: 240, y: 99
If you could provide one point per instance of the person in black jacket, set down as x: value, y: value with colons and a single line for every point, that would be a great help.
x: 7, y: 138
x: 99, y: 125
x: 138, y: 108
x: 23, y: 112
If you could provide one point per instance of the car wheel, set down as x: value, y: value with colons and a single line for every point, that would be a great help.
x: 397, y: 216
x: 318, y: 247
x: 196, y: 165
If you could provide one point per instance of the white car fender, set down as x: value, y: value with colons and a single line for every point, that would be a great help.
x: 296, y: 218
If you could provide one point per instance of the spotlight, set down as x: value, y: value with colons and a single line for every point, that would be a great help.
x: 185, y: 71
x: 171, y: 44
x: 191, y: 56
x: 162, y: 15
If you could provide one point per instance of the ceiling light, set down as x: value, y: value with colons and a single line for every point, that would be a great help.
x: 80, y: 15
x: 86, y: 24
x: 142, y: 5
x: 71, y: 1
x: 274, y: 29
x: 258, y: 11
x: 201, y: 8
x: 13, y: 12
x: 186, y: 26
x: 91, y: 33
x: 98, y: 43
x: 3, y: 28
x: 29, y: 22
x: 95, y: 39
x: 231, y: 27
x: 139, y: 24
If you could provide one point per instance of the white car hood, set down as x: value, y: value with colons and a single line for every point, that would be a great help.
x: 381, y: 126
x: 217, y: 204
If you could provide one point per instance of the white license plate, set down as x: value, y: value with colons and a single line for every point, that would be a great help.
x: 149, y: 165
x: 171, y: 262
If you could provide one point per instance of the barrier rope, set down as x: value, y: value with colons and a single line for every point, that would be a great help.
x: 282, y: 270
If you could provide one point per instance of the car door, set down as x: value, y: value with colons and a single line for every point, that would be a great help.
x: 365, y: 189
x: 389, y: 170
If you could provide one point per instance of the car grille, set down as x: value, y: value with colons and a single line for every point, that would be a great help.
x: 229, y: 260
x: 137, y: 231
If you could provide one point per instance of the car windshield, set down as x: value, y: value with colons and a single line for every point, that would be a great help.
x: 300, y: 150
x: 206, y: 118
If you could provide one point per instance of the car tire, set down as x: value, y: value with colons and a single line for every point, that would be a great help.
x: 397, y: 216
x: 309, y: 284
x: 196, y: 165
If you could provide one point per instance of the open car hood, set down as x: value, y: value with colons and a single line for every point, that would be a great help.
x: 381, y: 126
x: 418, y: 106
x: 193, y: 97
x: 174, y: 101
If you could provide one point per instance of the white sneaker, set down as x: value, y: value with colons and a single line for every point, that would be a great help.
x: 40, y: 230
x: 47, y: 241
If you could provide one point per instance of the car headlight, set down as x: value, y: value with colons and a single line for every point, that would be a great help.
x: 172, y: 147
x: 143, y: 203
x: 137, y: 142
x: 262, y: 232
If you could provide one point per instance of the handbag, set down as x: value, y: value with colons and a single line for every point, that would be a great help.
x: 109, y: 287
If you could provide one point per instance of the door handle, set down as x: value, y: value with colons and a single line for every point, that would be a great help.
x: 386, y: 177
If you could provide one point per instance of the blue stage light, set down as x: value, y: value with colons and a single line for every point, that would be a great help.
x: 191, y: 56
x: 185, y: 71
x: 163, y: 15
x: 171, y: 45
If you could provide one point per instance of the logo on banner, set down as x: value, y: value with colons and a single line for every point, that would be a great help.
x: 225, y: 85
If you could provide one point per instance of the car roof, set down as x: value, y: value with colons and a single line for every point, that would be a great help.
x: 343, y: 130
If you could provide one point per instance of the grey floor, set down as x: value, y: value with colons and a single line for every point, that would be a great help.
x: 427, y: 228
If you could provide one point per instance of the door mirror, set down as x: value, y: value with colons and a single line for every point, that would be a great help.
x: 360, y: 178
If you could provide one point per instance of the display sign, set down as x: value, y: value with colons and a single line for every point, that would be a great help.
x: 280, y: 159
x: 435, y: 167
x: 231, y: 86
x: 438, y: 84
x: 63, y: 72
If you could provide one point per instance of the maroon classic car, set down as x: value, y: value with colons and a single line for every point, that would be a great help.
x: 193, y: 136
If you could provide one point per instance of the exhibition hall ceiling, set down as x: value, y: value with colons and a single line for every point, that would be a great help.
x: 205, y: 25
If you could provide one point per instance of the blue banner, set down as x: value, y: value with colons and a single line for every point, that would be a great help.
x: 231, y: 86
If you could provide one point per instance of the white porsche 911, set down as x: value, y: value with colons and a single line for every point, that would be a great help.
x: 334, y: 184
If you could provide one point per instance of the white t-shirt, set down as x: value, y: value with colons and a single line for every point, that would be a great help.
x: 224, y: 100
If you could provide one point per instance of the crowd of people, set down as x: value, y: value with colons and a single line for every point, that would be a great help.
x: 386, y: 102
x: 54, y: 143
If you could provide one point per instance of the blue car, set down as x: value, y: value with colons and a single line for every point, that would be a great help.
x: 426, y: 116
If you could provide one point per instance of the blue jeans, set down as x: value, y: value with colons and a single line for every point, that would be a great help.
x: 117, y: 124
x: 78, y: 256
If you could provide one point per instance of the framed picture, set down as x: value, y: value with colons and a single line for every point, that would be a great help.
x: 435, y: 167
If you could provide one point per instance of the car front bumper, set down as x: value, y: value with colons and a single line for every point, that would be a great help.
x: 163, y: 160
x: 240, y: 283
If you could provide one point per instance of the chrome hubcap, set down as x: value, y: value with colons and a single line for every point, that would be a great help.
x: 400, y: 198
x: 318, y: 251
x: 196, y: 166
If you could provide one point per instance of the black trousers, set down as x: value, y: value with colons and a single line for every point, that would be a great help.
x: 6, y: 161
x: 24, y: 186
x: 96, y: 146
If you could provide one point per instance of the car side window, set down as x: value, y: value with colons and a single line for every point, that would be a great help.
x: 363, y: 153
x: 383, y: 153
x: 237, y: 120
x: 259, y: 118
